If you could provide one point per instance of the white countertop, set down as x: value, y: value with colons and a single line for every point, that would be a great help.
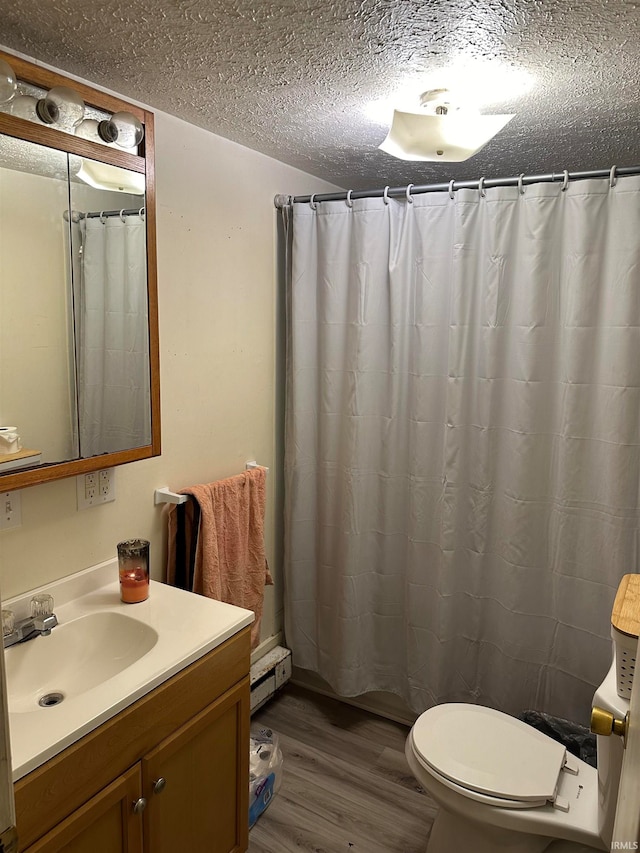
x: 188, y: 626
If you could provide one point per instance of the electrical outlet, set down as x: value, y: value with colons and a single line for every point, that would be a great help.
x: 98, y: 487
x: 10, y: 510
x: 90, y: 486
x: 106, y: 478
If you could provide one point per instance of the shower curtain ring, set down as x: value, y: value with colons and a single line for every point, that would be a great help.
x: 612, y: 177
x: 481, y: 188
x: 565, y: 180
x: 385, y: 195
x: 122, y: 215
x: 520, y: 186
x: 348, y: 198
x: 103, y: 218
x: 408, y: 193
x: 141, y: 213
x: 312, y: 202
x: 451, y: 189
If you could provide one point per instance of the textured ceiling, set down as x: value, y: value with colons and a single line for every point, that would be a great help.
x: 295, y: 79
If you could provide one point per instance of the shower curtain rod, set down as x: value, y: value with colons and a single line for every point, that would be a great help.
x: 77, y: 215
x: 614, y: 172
x: 130, y: 212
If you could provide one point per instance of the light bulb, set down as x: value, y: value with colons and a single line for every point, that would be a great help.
x: 103, y: 132
x: 130, y: 130
x: 108, y: 132
x: 8, y: 82
x: 24, y: 106
x: 87, y: 129
x: 62, y: 107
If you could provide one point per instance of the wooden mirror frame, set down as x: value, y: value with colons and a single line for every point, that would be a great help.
x: 143, y: 163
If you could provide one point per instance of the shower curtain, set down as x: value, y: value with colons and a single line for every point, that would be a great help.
x: 462, y: 442
x: 112, y: 333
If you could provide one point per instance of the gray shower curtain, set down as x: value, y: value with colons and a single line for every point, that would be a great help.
x: 462, y: 443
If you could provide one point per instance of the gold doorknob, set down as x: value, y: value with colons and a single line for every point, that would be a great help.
x: 604, y: 723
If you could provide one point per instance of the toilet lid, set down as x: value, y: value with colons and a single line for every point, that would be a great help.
x: 489, y: 752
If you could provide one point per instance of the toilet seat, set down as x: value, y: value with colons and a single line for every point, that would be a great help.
x: 491, y: 757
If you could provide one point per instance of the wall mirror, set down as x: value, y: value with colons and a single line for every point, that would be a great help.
x: 79, y: 383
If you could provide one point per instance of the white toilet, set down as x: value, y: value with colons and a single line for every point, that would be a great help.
x: 504, y: 787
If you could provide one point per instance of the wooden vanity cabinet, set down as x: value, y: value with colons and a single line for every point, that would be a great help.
x: 190, y: 782
x: 106, y: 824
x: 170, y: 773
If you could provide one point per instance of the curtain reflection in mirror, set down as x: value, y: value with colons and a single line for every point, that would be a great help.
x: 111, y: 331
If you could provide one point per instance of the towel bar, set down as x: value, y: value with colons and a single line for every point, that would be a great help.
x: 253, y: 464
x: 166, y: 496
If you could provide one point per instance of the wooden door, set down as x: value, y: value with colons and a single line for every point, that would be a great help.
x: 626, y: 830
x: 107, y: 823
x: 196, y: 782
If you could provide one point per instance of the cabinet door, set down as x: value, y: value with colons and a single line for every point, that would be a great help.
x: 196, y: 782
x: 107, y: 823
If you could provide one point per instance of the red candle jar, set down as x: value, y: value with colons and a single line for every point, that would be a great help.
x: 133, y: 569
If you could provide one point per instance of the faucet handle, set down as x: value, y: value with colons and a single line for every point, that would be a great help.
x: 41, y: 605
x: 8, y: 623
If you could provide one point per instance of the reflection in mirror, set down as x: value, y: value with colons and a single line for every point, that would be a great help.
x: 109, y: 287
x: 37, y: 394
x: 74, y: 333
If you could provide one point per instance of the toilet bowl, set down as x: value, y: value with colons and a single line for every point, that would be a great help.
x: 501, y: 785
x: 504, y: 787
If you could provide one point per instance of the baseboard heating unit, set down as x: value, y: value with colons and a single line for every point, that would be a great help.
x: 268, y: 675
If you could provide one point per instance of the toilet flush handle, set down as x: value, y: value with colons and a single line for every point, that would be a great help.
x: 604, y: 723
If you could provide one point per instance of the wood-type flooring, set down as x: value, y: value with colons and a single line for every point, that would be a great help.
x: 346, y: 786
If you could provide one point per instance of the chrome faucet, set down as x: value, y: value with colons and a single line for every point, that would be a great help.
x: 39, y: 624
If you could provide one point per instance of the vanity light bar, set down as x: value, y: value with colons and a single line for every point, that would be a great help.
x: 63, y: 109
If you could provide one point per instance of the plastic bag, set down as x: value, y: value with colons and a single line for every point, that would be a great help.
x: 265, y: 771
x: 577, y: 739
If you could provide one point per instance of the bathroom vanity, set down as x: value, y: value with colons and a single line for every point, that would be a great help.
x: 153, y: 759
x: 169, y: 773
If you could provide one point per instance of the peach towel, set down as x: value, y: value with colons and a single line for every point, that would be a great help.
x: 229, y: 561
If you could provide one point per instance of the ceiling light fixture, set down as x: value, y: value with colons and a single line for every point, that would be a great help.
x: 444, y: 131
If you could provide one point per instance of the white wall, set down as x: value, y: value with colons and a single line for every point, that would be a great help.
x: 217, y: 305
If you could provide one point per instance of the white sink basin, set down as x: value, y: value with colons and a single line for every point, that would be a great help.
x: 74, y: 658
x: 102, y: 656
